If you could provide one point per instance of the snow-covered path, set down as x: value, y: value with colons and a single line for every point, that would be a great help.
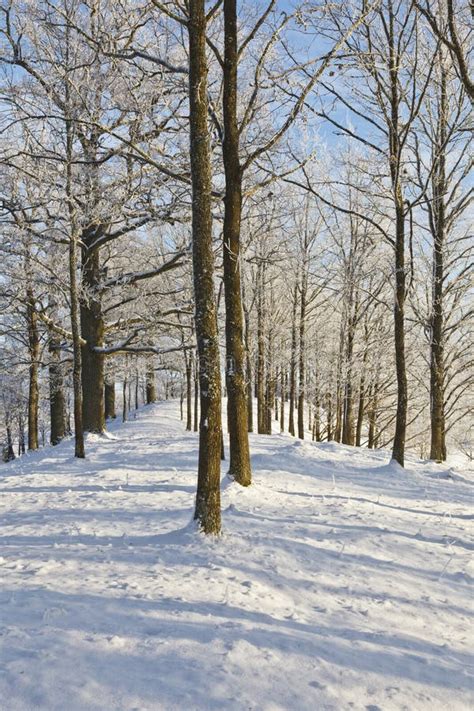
x: 340, y: 582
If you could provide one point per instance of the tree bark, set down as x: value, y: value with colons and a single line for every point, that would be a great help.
x: 196, y: 394
x: 57, y: 405
x: 291, y: 418
x: 92, y: 330
x: 150, y: 383
x: 260, y: 380
x: 302, y: 353
x: 207, y: 510
x: 109, y: 398
x: 438, y: 228
x: 237, y: 422
x: 33, y: 353
x: 189, y: 375
x: 248, y: 371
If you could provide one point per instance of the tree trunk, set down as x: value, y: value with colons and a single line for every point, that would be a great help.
x: 261, y: 408
x: 109, y: 397
x: 438, y: 226
x: 137, y: 388
x: 57, y: 405
x: 361, y: 408
x: 291, y: 419
x: 248, y: 370
x: 239, y: 459
x: 33, y: 352
x: 150, y: 383
x: 92, y: 331
x: 8, y: 454
x: 348, y: 418
x: 329, y: 417
x: 196, y: 394
x: 124, y: 399
x: 207, y: 510
x: 189, y: 406
x: 302, y: 354
x: 282, y: 400
x: 360, y: 411
x: 76, y: 340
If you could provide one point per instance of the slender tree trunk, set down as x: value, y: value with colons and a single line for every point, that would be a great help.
x: 33, y: 352
x: 137, y: 388
x: 21, y: 435
x: 302, y: 353
x: 291, y: 419
x: 398, y: 450
x: 109, y: 397
x: 261, y: 409
x: 339, y: 391
x: 188, y: 365
x: 348, y: 418
x: 124, y: 398
x: 57, y: 405
x: 329, y: 417
x: 282, y: 400
x: 76, y: 340
x: 361, y: 407
x: 150, y: 382
x: 438, y: 227
x: 248, y: 373
x: 269, y: 391
x: 196, y: 394
x: 8, y: 453
x: 207, y: 511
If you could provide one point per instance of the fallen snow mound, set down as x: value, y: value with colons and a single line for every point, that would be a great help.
x: 340, y: 581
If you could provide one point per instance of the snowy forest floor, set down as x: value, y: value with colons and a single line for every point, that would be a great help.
x: 340, y: 581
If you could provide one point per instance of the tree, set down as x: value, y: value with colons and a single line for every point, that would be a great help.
x: 207, y: 511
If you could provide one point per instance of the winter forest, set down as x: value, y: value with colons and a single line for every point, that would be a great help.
x: 236, y: 295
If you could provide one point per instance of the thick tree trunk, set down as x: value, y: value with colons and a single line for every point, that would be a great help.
x: 239, y: 460
x: 57, y: 404
x: 33, y: 353
x: 207, y: 511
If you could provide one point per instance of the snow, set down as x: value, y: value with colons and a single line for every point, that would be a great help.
x: 340, y: 582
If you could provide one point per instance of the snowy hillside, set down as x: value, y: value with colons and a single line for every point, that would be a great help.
x: 340, y: 582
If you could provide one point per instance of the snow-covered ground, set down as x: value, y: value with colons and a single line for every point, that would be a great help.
x: 340, y: 582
